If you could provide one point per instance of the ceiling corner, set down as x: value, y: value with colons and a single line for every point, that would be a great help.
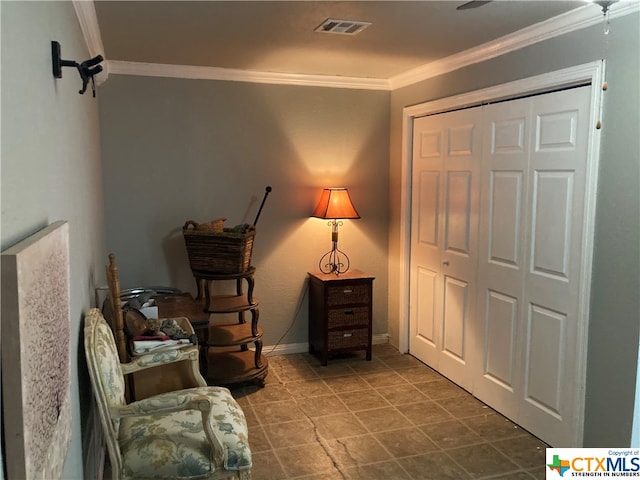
x: 88, y: 19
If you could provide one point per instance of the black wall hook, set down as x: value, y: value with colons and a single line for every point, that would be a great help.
x: 87, y: 69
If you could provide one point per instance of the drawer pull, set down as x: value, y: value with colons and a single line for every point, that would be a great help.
x: 349, y: 312
x: 347, y: 335
x: 348, y: 290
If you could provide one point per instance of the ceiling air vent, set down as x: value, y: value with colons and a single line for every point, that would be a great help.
x: 342, y: 27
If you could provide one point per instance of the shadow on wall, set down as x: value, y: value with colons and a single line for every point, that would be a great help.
x: 233, y: 140
x: 175, y: 255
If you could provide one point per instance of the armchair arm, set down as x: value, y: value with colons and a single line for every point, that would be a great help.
x: 160, y: 357
x: 202, y: 400
x: 164, y: 403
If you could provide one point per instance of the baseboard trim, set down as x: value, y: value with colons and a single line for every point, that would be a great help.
x: 290, y: 348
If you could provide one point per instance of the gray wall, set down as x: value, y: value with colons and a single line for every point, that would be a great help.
x: 176, y: 149
x: 615, y: 310
x: 51, y: 165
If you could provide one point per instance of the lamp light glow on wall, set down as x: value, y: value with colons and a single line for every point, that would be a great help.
x: 335, y: 204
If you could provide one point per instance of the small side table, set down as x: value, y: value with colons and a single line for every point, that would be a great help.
x: 340, y: 313
x: 183, y: 305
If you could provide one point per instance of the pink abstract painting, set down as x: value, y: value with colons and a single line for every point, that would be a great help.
x: 35, y: 335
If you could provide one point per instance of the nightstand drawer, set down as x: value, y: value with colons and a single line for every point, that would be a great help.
x: 348, y: 317
x: 348, y: 294
x: 348, y: 338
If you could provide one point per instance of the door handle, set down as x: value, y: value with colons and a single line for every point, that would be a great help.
x: 445, y: 263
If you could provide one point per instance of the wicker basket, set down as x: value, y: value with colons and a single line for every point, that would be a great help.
x: 225, y: 252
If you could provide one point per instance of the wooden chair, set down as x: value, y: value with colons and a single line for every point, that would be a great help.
x: 161, y: 379
x: 193, y: 433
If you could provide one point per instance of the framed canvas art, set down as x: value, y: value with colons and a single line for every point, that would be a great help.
x: 36, y: 364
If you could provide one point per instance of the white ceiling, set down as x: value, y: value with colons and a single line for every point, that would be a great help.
x: 278, y: 36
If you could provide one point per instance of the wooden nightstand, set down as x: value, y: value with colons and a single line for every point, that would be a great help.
x: 340, y: 313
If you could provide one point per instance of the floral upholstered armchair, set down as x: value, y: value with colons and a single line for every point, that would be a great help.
x: 196, y: 433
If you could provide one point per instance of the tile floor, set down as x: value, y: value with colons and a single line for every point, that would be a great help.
x: 392, y: 418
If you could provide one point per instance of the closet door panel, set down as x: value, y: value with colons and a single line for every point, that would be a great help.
x: 498, y: 380
x: 505, y: 222
x: 461, y: 169
x: 557, y: 179
x: 429, y: 194
x: 426, y: 282
x: 457, y: 228
x: 500, y: 320
x: 456, y: 318
x: 552, y: 212
x: 445, y: 198
x: 426, y: 306
x: 543, y: 382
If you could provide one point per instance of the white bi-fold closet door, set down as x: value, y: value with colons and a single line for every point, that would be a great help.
x: 498, y: 196
x: 446, y: 166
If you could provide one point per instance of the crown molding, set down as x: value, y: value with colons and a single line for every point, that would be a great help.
x: 577, y: 19
x: 571, y: 21
x: 252, y: 76
x: 88, y: 19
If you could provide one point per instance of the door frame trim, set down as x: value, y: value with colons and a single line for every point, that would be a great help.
x: 592, y: 74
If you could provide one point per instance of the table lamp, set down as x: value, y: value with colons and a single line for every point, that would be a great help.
x: 335, y: 204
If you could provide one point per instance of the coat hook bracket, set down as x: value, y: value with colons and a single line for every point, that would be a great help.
x: 87, y: 69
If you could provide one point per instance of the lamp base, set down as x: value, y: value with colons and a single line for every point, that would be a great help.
x: 334, y: 261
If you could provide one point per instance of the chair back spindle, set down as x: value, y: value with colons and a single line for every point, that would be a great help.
x: 118, y: 320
